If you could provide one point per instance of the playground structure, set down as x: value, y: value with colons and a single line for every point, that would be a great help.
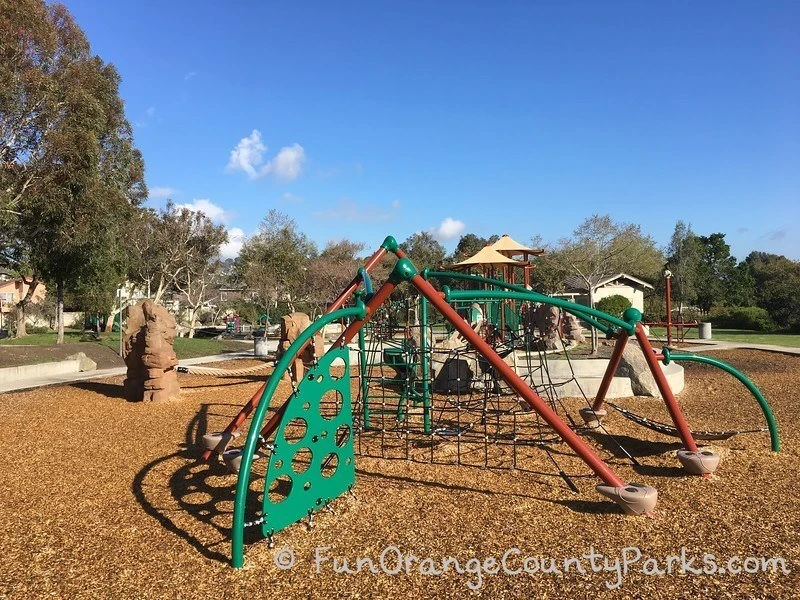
x: 502, y: 410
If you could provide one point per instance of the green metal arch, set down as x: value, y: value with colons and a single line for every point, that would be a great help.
x: 771, y: 423
x: 516, y: 292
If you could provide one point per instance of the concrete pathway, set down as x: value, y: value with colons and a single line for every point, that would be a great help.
x: 25, y: 384
x: 710, y: 345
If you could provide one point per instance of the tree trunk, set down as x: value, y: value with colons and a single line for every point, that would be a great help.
x: 192, y: 316
x: 22, y: 304
x: 593, y: 330
x: 21, y: 328
x: 60, y: 311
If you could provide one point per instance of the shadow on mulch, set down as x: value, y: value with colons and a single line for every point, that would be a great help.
x: 110, y: 390
x: 193, y: 479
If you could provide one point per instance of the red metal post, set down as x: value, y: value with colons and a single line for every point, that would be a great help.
x: 611, y: 369
x: 518, y: 385
x: 345, y: 338
x: 666, y: 392
x: 248, y: 408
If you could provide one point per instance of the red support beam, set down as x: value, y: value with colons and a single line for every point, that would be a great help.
x: 611, y: 370
x: 666, y: 392
x: 347, y: 335
x: 518, y: 385
x: 251, y: 404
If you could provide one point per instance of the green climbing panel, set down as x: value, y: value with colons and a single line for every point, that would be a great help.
x: 312, y: 462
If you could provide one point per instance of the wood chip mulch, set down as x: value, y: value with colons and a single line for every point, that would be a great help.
x: 104, y: 498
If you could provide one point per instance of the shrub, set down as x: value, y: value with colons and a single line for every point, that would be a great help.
x: 743, y: 317
x: 614, y: 305
x: 39, y: 329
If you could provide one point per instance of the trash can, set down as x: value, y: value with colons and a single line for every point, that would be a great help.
x: 704, y: 331
x: 260, y: 346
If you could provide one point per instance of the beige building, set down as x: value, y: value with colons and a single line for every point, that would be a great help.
x: 12, y: 290
x: 620, y: 284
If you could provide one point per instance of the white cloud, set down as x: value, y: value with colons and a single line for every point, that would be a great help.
x: 189, y: 75
x: 395, y: 204
x: 447, y: 229
x: 248, y: 155
x: 161, y: 192
x: 236, y: 239
x: 347, y: 209
x: 207, y: 207
x: 287, y: 164
x: 151, y: 110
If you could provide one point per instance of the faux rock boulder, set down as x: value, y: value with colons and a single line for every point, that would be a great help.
x: 634, y: 366
x: 149, y: 355
x: 572, y: 328
x: 292, y: 325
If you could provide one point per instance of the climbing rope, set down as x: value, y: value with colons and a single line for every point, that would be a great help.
x: 669, y: 430
x: 198, y: 370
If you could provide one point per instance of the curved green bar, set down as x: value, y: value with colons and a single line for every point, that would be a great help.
x: 585, y: 312
x: 243, y: 483
x: 771, y: 423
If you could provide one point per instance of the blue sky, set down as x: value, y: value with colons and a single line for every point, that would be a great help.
x: 362, y: 119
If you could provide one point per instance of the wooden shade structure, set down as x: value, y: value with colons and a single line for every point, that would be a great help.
x: 510, y: 247
x: 486, y: 257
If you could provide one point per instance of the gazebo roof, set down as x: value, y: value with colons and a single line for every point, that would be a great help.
x: 510, y: 247
x: 487, y: 256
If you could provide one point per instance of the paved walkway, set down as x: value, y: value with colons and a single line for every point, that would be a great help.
x: 710, y: 345
x: 25, y: 384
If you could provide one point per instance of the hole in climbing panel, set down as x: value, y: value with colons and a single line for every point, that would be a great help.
x: 301, y: 461
x: 306, y: 405
x: 319, y: 378
x: 330, y: 405
x: 342, y: 435
x: 307, y: 486
x: 278, y: 464
x: 337, y: 368
x: 280, y: 489
x: 329, y: 465
x: 295, y: 430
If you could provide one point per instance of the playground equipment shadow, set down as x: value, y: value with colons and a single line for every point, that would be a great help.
x: 128, y: 512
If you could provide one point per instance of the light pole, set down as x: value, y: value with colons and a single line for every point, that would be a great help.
x: 119, y: 295
x: 668, y: 295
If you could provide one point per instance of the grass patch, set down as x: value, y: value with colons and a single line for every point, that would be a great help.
x: 791, y: 340
x: 184, y: 347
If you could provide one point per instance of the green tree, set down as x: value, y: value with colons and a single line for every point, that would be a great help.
x: 715, y: 272
x: 71, y: 176
x: 684, y: 257
x: 599, y: 247
x: 200, y: 270
x: 468, y: 245
x: 274, y: 263
x: 614, y: 305
x: 424, y: 251
x: 332, y: 270
x: 777, y: 280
